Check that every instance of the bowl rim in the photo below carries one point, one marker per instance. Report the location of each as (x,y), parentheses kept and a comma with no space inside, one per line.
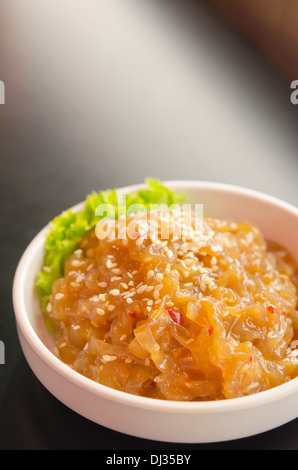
(152,404)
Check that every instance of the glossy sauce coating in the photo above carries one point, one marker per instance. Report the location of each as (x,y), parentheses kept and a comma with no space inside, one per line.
(187,318)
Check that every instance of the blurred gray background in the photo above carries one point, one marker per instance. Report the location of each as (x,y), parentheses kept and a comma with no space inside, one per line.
(102,93)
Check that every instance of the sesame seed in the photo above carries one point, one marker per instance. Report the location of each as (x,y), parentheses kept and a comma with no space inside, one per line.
(101,297)
(76,327)
(115,278)
(103,284)
(129,300)
(115,292)
(170,254)
(141,289)
(148,309)
(156,294)
(150,274)
(159,276)
(149,288)
(100,311)
(108,358)
(123,338)
(75,284)
(59,296)
(49,308)
(116,271)
(123,285)
(47,269)
(111,308)
(77,263)
(109,263)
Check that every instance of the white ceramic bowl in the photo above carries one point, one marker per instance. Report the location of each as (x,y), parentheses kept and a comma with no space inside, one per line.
(150,418)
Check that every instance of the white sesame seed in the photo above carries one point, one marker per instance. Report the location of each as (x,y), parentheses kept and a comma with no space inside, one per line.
(47,269)
(76,327)
(77,263)
(129,300)
(111,308)
(108,358)
(115,292)
(148,309)
(170,254)
(123,285)
(103,284)
(123,338)
(159,276)
(109,263)
(150,274)
(141,289)
(49,307)
(59,296)
(149,288)
(75,284)
(116,271)
(100,311)
(101,297)
(156,294)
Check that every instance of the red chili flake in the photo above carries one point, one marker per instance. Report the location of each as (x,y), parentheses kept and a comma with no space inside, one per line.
(210,331)
(283,313)
(271,309)
(250,359)
(132,314)
(176,316)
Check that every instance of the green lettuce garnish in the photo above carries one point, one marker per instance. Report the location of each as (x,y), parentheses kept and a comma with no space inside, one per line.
(69,228)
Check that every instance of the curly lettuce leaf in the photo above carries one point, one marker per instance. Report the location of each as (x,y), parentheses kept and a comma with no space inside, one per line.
(69,228)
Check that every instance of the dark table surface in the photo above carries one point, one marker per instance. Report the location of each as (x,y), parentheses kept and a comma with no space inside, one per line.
(56,146)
